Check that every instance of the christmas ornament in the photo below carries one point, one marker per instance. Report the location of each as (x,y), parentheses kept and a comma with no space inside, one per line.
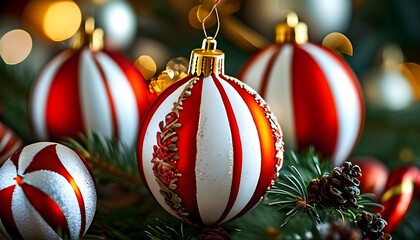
(87,89)
(374,177)
(323,16)
(9,143)
(417,186)
(398,195)
(117,18)
(176,69)
(389,87)
(209,147)
(315,95)
(47,191)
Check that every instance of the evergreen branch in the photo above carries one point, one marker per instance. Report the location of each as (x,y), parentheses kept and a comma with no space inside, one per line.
(108,158)
(170,229)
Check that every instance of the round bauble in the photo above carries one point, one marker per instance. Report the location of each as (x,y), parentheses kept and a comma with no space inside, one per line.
(209,147)
(323,16)
(314,94)
(85,90)
(417,186)
(388,89)
(118,19)
(374,175)
(394,85)
(396,199)
(47,191)
(9,142)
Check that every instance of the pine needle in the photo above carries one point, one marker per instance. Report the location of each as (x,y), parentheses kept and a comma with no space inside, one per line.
(109,159)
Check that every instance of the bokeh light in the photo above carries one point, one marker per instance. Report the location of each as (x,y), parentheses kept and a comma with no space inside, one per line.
(15,46)
(57,20)
(146,65)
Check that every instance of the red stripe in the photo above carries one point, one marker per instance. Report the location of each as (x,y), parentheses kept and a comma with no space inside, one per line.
(187,144)
(10,143)
(49,210)
(316,118)
(63,113)
(145,126)
(237,148)
(47,159)
(104,78)
(6,214)
(268,71)
(139,85)
(357,88)
(267,145)
(15,158)
(249,65)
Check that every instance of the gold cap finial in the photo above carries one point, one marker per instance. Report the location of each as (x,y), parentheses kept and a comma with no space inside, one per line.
(88,34)
(292,31)
(207,59)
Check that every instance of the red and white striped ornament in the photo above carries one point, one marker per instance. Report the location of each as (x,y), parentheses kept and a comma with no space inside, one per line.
(9,142)
(47,191)
(89,90)
(314,94)
(209,147)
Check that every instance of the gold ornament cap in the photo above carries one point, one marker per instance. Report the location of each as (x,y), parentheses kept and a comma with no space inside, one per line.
(292,31)
(207,59)
(88,35)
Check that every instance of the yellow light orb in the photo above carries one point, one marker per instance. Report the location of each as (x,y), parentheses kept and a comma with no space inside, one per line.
(57,20)
(62,20)
(15,46)
(146,65)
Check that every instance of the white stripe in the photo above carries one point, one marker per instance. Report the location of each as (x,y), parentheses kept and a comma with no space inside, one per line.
(74,165)
(28,153)
(41,92)
(346,100)
(279,95)
(6,137)
(28,221)
(251,151)
(94,101)
(7,173)
(3,232)
(59,189)
(124,99)
(12,150)
(150,140)
(253,75)
(214,160)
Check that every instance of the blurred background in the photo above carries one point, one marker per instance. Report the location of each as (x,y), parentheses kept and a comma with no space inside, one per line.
(384,33)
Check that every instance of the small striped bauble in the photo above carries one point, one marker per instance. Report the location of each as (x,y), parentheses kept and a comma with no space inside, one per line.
(47,191)
(9,142)
(314,94)
(398,195)
(209,147)
(86,90)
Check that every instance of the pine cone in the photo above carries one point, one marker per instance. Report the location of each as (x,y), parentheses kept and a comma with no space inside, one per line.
(213,233)
(338,189)
(371,226)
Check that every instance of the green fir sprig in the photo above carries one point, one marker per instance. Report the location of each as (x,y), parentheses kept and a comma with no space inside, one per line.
(111,160)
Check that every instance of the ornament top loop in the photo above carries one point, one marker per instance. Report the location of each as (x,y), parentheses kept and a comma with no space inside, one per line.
(292,31)
(88,34)
(207,59)
(203,22)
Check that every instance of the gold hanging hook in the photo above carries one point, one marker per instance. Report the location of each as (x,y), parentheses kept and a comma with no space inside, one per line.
(203,22)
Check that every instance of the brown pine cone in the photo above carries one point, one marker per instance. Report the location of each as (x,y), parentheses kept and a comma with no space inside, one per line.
(371,226)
